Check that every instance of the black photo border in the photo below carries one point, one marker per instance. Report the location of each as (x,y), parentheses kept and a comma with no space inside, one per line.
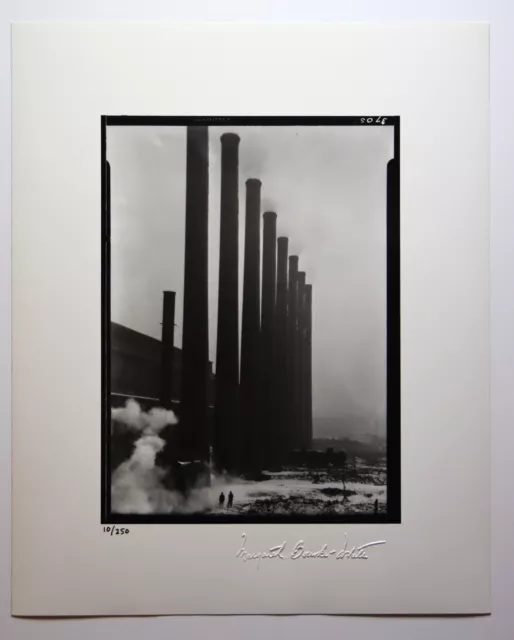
(393,394)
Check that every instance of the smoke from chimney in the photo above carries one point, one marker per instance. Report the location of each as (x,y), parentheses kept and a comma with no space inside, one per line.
(138,485)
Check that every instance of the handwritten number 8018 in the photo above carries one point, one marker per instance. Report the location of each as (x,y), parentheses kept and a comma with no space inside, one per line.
(379,120)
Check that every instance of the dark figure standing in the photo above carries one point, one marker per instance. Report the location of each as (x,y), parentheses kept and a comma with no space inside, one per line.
(230,499)
(376,506)
(222,499)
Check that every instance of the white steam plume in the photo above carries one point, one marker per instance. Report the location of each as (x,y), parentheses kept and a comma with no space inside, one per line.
(136,420)
(137,484)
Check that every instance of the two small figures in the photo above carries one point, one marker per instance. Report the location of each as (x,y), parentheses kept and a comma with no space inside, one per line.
(230,500)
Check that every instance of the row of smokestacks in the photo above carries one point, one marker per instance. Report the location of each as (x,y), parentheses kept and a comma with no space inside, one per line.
(262,399)
(263,407)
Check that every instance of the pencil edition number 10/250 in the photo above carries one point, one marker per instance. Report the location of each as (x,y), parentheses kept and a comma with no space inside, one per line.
(116,531)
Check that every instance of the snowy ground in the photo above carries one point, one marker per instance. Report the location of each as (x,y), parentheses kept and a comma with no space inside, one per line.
(140,485)
(307,492)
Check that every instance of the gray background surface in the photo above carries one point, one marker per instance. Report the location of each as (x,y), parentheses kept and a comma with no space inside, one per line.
(500,13)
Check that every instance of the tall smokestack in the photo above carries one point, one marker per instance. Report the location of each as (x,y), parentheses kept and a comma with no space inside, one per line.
(292,358)
(269,270)
(194,440)
(250,332)
(282,250)
(280,342)
(301,355)
(269,283)
(167,348)
(226,442)
(308,365)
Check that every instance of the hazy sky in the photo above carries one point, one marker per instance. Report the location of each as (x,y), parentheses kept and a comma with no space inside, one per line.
(328,187)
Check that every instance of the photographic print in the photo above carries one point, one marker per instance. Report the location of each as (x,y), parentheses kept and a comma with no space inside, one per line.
(246,275)
(251,319)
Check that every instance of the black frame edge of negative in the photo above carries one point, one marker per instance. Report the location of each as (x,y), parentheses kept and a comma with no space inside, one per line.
(393,427)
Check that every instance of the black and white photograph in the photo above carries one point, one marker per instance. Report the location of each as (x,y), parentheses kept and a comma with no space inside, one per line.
(251,324)
(251,319)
